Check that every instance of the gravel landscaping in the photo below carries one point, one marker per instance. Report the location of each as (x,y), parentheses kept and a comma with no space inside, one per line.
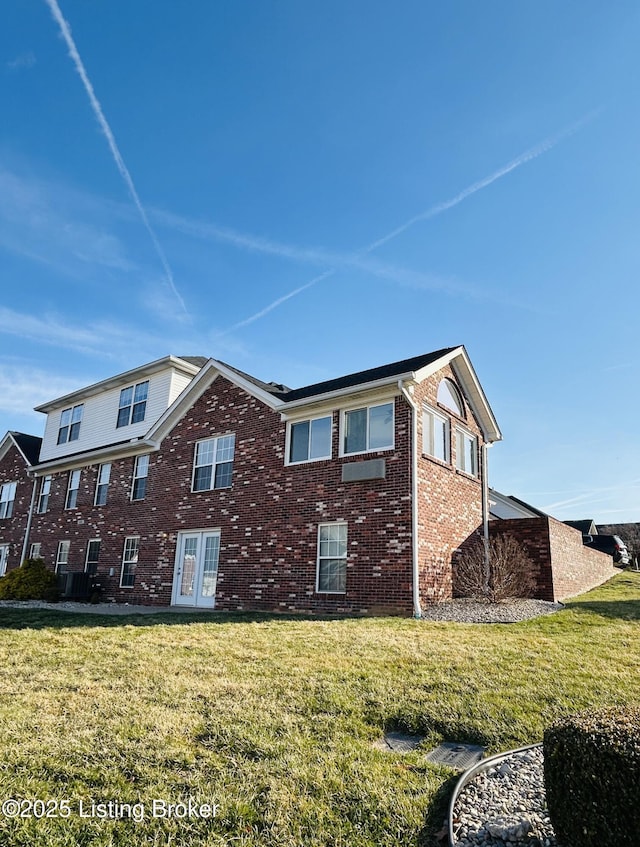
(465,610)
(505,806)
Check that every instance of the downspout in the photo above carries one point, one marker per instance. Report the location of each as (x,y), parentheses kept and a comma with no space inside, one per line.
(29,518)
(417,609)
(485,505)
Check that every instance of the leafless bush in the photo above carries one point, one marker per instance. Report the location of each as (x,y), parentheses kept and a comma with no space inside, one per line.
(503,570)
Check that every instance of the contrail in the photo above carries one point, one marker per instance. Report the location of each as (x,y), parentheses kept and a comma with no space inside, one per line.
(527,156)
(65,31)
(433,211)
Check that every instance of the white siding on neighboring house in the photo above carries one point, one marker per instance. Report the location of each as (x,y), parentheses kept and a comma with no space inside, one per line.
(100,415)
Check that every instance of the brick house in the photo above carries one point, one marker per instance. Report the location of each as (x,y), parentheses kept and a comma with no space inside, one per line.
(188,482)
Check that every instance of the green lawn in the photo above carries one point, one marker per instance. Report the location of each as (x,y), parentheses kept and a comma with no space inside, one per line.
(273,719)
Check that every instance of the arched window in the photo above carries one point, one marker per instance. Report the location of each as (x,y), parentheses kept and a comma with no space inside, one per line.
(449,396)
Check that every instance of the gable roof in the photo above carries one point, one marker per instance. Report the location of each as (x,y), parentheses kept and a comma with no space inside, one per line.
(284,399)
(519,507)
(27,445)
(189,365)
(384,372)
(586,526)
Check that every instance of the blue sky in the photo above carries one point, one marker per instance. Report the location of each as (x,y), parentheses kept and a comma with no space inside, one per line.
(308,189)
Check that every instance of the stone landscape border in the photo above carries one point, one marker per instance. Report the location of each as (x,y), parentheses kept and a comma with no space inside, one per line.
(472,772)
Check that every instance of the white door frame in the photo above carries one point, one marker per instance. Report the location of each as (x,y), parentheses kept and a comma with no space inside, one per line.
(197,587)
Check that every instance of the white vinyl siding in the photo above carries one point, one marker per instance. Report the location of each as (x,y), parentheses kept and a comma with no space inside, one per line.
(100,416)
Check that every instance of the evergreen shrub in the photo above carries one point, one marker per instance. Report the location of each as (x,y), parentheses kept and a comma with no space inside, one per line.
(31,581)
(592,777)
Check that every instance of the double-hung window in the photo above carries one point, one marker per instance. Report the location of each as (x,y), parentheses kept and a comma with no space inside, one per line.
(369,428)
(332,558)
(34,550)
(4,555)
(62,556)
(213,465)
(43,497)
(133,404)
(466,452)
(70,421)
(435,435)
(102,485)
(72,490)
(93,554)
(129,561)
(140,473)
(310,440)
(7,497)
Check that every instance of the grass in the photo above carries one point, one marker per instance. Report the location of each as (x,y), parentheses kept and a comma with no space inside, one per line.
(273,719)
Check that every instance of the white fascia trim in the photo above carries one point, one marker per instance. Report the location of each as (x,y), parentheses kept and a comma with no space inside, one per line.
(368,392)
(125,378)
(463,369)
(5,445)
(196,388)
(101,455)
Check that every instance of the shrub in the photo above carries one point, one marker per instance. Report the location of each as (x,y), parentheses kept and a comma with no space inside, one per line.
(31,581)
(592,777)
(506,572)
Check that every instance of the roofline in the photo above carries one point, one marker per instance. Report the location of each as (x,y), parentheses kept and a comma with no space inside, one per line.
(10,437)
(118,379)
(314,399)
(99,455)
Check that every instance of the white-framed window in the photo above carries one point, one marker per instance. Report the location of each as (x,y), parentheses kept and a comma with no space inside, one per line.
(309,440)
(435,435)
(45,491)
(466,452)
(70,421)
(332,558)
(92,556)
(4,555)
(62,556)
(133,404)
(140,474)
(72,490)
(368,428)
(35,550)
(213,463)
(102,484)
(449,396)
(7,498)
(129,561)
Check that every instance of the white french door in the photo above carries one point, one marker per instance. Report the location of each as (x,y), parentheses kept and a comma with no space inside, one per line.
(196,570)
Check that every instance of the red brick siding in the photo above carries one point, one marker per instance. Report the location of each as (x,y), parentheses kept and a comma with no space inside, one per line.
(564,566)
(13,469)
(268,518)
(449,502)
